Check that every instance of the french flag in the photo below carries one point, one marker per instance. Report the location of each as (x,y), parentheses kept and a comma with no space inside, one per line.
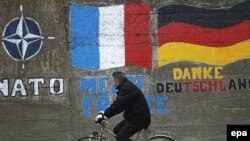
(110,37)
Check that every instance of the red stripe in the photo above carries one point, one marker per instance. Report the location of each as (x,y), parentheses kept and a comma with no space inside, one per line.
(137,35)
(181,32)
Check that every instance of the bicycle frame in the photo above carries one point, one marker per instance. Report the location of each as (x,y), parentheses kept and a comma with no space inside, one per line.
(103,128)
(101,136)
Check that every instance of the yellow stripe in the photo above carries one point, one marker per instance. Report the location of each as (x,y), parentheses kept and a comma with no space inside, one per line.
(178,51)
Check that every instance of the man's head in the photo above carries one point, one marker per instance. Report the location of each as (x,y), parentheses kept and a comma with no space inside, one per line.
(118,78)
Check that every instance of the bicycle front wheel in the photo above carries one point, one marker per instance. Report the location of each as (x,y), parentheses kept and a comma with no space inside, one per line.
(88,139)
(161,138)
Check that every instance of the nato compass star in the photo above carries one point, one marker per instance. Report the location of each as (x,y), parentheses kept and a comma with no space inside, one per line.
(22,38)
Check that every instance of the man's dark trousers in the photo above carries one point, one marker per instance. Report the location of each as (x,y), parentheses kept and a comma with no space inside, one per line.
(125,129)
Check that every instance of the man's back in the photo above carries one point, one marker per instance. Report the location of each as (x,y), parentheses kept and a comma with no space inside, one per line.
(131,100)
(137,110)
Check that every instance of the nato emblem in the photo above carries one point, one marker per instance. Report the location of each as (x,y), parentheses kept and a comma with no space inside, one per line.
(22,38)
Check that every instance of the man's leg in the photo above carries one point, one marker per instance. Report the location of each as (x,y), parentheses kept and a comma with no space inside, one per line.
(127,131)
(119,126)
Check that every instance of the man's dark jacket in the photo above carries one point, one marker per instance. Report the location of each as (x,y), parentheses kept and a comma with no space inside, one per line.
(131,100)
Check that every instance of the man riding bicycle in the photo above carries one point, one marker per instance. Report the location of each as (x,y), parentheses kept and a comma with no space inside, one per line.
(132,102)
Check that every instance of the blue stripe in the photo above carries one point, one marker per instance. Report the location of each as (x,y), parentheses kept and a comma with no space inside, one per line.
(85,37)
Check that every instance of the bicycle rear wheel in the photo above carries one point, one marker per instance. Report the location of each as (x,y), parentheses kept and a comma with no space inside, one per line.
(87,139)
(161,138)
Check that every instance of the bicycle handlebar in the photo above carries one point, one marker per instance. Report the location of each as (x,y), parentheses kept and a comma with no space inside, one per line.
(103,123)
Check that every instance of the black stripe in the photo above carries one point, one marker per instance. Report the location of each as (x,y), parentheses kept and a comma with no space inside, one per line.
(212,18)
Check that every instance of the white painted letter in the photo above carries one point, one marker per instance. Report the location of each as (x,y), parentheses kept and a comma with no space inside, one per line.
(36,82)
(4,87)
(52,84)
(19,87)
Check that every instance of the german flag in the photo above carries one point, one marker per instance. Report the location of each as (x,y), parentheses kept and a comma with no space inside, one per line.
(211,36)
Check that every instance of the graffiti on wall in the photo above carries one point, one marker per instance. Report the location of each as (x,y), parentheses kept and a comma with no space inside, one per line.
(98,42)
(110,37)
(201,79)
(56,87)
(211,36)
(98,93)
(216,37)
(22,38)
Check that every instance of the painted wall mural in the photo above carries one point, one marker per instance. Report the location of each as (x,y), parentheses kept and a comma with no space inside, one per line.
(99,92)
(18,87)
(216,37)
(118,36)
(211,36)
(22,38)
(110,37)
(201,79)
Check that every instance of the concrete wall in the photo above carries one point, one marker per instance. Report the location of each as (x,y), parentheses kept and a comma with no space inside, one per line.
(196,82)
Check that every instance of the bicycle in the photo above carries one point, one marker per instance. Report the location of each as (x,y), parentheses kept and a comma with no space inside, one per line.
(110,136)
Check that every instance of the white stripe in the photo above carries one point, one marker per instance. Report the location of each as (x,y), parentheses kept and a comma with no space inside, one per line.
(111,37)
(51,38)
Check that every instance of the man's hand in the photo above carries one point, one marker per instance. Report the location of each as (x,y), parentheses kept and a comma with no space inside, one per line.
(100,117)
